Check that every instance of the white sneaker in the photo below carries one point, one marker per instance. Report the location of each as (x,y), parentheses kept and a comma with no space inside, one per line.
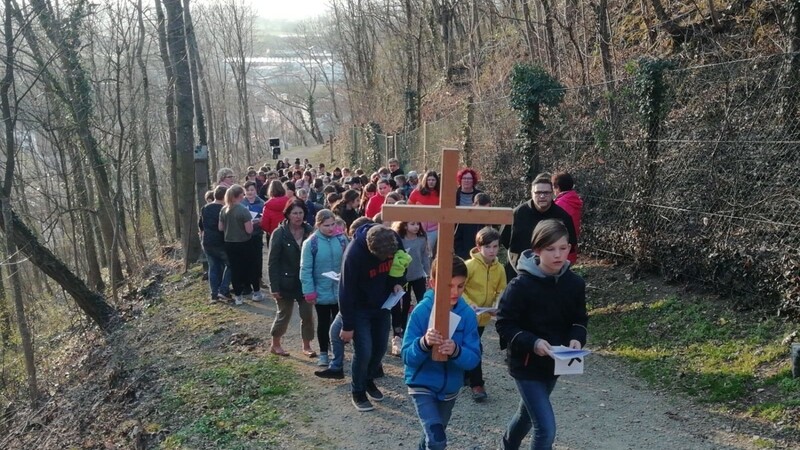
(258,296)
(397,346)
(237,300)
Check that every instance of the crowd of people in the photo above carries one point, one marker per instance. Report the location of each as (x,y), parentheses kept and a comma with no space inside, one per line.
(330,252)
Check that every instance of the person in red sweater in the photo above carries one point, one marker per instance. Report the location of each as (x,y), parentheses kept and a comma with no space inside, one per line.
(376,202)
(427,193)
(569,201)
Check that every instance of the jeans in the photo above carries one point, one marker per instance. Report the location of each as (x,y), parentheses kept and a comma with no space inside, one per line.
(534,409)
(370,337)
(325,315)
(474,377)
(433,415)
(337,344)
(219,274)
(402,309)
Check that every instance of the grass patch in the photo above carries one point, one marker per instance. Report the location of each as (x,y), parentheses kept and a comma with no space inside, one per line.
(698,346)
(228,400)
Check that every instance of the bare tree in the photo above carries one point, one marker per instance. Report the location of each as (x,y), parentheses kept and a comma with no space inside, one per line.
(184,130)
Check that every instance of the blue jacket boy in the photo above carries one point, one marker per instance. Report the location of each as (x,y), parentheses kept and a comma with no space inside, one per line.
(443,379)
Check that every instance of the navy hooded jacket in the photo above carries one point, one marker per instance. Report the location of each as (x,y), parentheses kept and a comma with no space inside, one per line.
(364,282)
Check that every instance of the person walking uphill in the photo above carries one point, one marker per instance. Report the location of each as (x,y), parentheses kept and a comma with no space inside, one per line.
(322,253)
(365,284)
(545,305)
(284,277)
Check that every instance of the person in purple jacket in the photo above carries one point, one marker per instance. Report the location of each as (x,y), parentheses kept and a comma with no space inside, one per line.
(364,285)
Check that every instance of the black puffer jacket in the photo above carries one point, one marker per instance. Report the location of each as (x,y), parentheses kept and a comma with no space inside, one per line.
(538,306)
(284,261)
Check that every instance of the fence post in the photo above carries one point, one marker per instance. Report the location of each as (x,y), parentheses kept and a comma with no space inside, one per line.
(466,132)
(355,161)
(425,145)
(330,136)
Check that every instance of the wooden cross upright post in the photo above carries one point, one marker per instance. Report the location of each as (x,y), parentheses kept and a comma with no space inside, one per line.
(447,214)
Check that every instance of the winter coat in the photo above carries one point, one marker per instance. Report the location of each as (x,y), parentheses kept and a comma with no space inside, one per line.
(570,202)
(516,237)
(364,282)
(272,215)
(485,283)
(440,378)
(284,261)
(328,258)
(538,306)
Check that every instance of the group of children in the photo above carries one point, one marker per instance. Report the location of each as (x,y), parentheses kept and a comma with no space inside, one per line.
(347,271)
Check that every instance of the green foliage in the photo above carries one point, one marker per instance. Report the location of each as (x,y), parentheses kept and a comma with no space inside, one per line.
(651,90)
(372,156)
(228,400)
(532,87)
(689,344)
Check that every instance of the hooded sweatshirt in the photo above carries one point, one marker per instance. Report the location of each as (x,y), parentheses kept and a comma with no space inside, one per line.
(570,202)
(539,306)
(422,373)
(364,282)
(485,282)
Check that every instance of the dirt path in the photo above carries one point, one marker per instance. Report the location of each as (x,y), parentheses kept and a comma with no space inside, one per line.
(606,408)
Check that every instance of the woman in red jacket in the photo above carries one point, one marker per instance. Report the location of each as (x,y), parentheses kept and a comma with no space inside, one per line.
(376,202)
(272,215)
(427,193)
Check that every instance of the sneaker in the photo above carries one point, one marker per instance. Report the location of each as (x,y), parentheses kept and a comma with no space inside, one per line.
(323,360)
(258,296)
(331,374)
(224,297)
(361,402)
(373,391)
(397,345)
(479,394)
(213,300)
(238,300)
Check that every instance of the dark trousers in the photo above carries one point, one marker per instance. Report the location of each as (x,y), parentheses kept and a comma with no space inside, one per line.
(475,376)
(245,272)
(325,316)
(401,310)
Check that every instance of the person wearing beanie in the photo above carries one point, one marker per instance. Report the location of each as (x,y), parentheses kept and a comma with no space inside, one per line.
(365,284)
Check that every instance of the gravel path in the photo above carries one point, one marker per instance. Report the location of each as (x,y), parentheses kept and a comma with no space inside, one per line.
(605,408)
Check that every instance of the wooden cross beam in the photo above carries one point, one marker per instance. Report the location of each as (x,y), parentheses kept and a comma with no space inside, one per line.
(447,214)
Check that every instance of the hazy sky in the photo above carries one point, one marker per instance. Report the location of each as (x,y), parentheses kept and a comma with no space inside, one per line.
(290,9)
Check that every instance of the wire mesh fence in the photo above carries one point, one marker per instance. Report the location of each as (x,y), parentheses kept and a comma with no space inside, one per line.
(714,197)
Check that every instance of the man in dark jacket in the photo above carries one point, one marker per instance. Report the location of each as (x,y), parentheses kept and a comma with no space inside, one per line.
(517,237)
(364,286)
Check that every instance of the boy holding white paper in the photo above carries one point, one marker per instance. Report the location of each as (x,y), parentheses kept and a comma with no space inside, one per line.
(434,385)
(485,282)
(542,307)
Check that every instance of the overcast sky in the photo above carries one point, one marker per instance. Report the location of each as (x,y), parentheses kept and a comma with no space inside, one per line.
(290,9)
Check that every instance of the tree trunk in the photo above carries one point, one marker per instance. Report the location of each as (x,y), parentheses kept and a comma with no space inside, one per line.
(76,94)
(791,77)
(170,107)
(184,130)
(147,146)
(551,37)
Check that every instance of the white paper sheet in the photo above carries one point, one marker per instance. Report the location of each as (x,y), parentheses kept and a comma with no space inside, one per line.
(254,214)
(568,361)
(481,310)
(394,297)
(454,319)
(332,275)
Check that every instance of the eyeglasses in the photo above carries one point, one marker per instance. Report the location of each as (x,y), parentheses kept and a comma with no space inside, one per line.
(231,176)
(542,193)
(466,178)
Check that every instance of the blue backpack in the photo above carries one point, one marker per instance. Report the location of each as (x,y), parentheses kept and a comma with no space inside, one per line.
(315,244)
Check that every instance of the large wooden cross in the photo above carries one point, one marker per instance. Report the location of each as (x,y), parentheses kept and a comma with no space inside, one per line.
(447,214)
